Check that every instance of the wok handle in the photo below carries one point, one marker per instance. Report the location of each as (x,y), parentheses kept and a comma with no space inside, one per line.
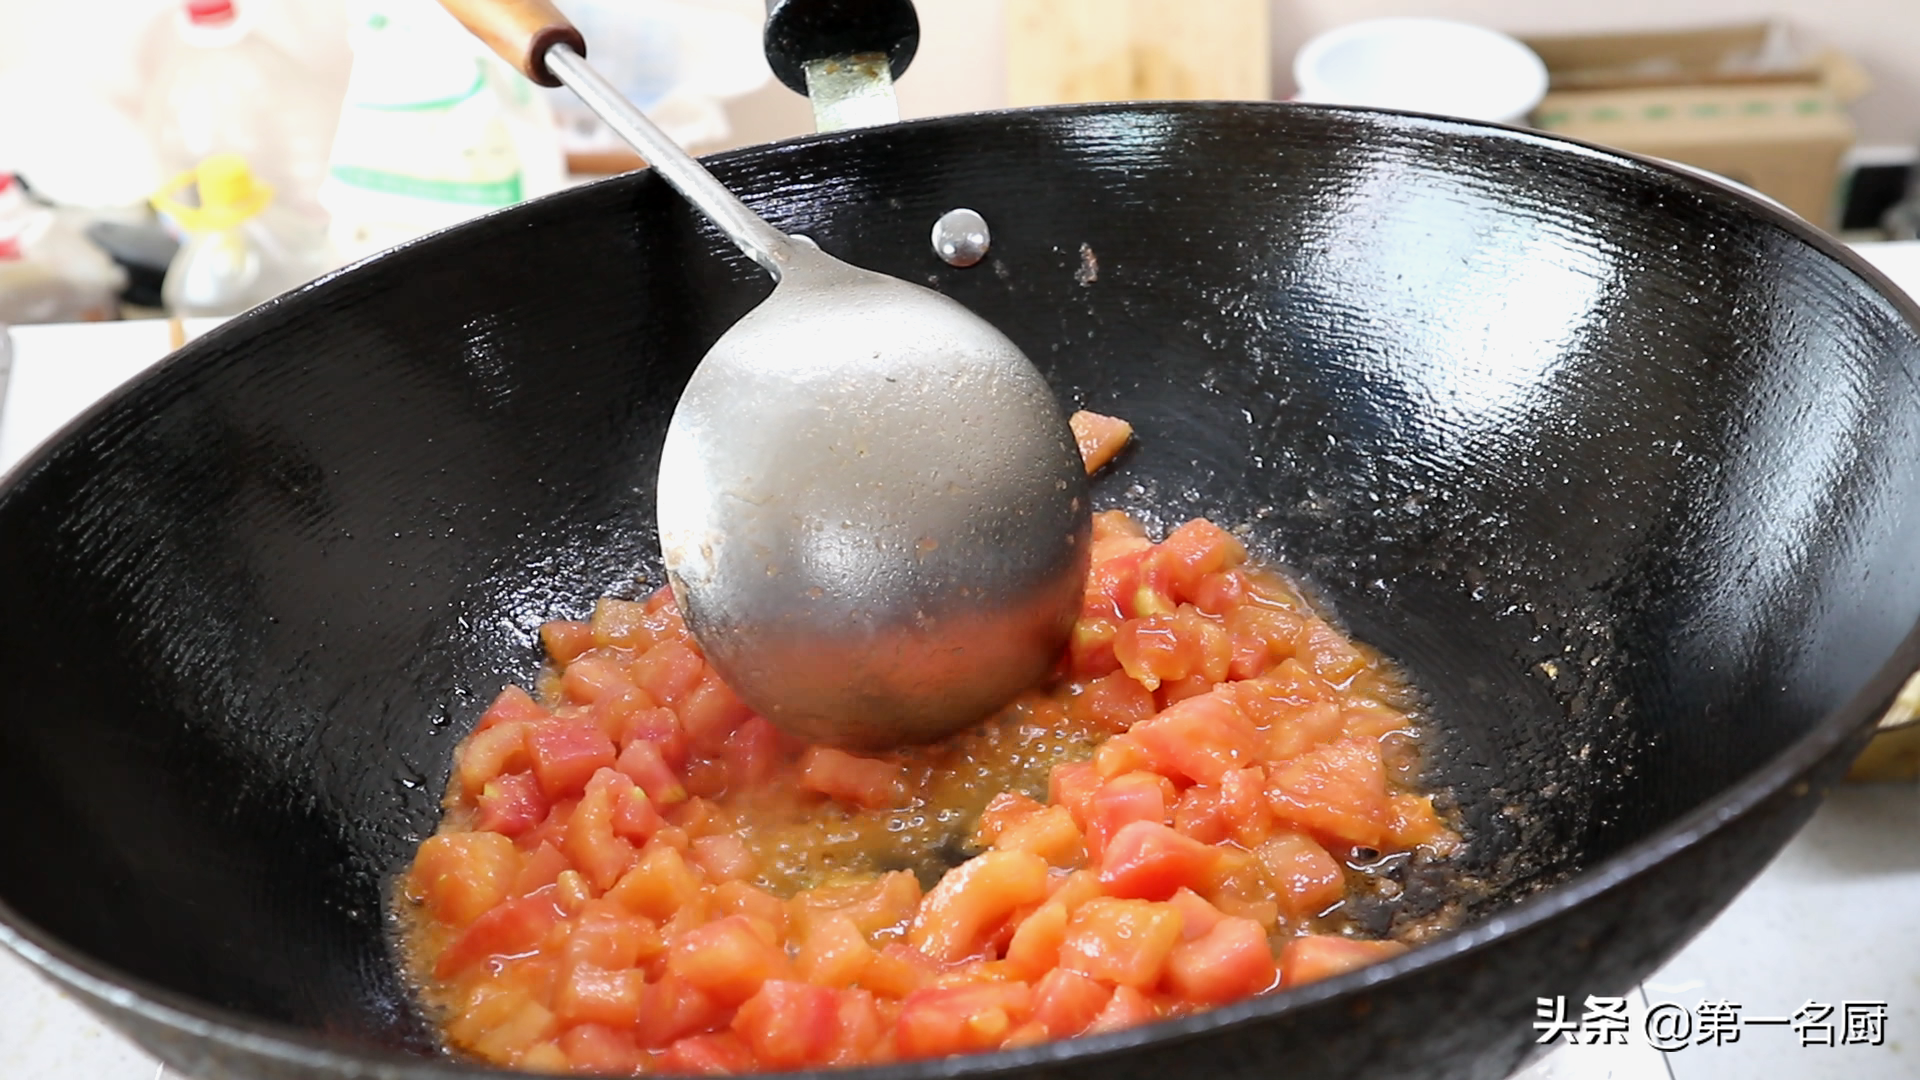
(803,30)
(519,32)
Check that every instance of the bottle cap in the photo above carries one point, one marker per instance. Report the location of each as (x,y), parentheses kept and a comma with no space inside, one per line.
(229,195)
(209,12)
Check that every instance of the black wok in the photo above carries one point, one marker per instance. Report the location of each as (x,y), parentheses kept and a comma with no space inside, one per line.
(1621,466)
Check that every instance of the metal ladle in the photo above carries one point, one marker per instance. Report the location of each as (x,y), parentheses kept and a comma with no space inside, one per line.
(871,508)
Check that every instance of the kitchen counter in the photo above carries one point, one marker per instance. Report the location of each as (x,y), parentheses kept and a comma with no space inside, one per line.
(1834,920)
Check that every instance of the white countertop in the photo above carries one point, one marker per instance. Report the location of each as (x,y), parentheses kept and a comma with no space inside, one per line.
(1834,919)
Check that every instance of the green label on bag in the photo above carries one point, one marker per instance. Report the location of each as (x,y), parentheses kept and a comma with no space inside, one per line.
(471,193)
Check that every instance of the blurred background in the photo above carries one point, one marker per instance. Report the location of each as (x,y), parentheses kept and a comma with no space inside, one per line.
(194,157)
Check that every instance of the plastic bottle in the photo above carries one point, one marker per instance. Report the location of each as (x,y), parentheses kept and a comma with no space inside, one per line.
(237,254)
(219,88)
(434,130)
(49,272)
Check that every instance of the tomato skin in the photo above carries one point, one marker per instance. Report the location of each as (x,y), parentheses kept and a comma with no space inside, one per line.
(566,754)
(1321,956)
(789,1024)
(1229,962)
(1145,860)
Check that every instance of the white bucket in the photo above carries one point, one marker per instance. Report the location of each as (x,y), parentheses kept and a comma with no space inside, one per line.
(1422,65)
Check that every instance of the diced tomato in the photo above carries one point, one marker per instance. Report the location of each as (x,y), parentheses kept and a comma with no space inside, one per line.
(1066,1002)
(566,754)
(595,676)
(1151,651)
(1090,648)
(1050,834)
(862,781)
(460,875)
(511,804)
(1304,878)
(898,970)
(659,885)
(671,1009)
(598,852)
(1328,652)
(597,1048)
(511,928)
(1005,810)
(1127,1008)
(1121,754)
(541,868)
(724,857)
(1197,549)
(622,624)
(1099,437)
(1073,786)
(1249,656)
(511,704)
(860,1028)
(634,817)
(726,959)
(1034,948)
(669,671)
(618,715)
(712,712)
(1197,916)
(1339,790)
(659,726)
(1219,592)
(592,995)
(607,936)
(1112,583)
(1134,796)
(1145,860)
(720,1053)
(1202,813)
(1413,823)
(834,953)
(642,763)
(1201,738)
(1125,942)
(494,751)
(1243,799)
(751,753)
(1229,962)
(1320,956)
(1112,702)
(960,912)
(960,1019)
(788,1024)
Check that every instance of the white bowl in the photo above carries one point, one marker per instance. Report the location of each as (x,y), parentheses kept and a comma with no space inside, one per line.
(1422,65)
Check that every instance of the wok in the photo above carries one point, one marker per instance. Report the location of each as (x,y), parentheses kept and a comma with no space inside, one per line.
(1620,465)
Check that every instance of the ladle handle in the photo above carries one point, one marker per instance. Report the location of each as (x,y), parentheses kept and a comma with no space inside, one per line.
(519,32)
(516,31)
(801,30)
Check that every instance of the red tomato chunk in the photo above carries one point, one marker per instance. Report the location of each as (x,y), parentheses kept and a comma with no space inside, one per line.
(637,875)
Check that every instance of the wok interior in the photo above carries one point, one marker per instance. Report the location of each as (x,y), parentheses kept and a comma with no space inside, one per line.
(1619,471)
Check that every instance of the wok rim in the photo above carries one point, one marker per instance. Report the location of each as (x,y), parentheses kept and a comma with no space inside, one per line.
(71,968)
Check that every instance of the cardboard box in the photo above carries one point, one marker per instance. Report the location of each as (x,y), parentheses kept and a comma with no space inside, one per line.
(1743,101)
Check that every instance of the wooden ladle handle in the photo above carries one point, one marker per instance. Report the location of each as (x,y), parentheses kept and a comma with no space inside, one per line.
(519,32)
